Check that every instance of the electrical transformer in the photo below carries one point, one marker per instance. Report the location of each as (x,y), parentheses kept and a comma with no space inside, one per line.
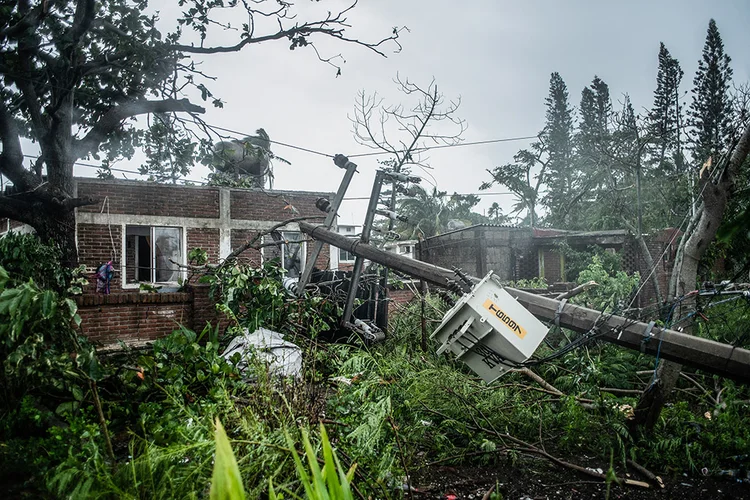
(489,330)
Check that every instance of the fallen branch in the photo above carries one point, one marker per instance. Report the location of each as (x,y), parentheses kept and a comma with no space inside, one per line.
(577,290)
(647,473)
(614,390)
(550,389)
(528,448)
(249,244)
(700,387)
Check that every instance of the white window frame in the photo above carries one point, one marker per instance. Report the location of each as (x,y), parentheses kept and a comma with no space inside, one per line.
(346,261)
(183,255)
(282,249)
(303,249)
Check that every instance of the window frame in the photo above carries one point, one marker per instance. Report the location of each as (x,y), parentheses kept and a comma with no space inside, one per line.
(347,261)
(181,273)
(282,249)
(303,249)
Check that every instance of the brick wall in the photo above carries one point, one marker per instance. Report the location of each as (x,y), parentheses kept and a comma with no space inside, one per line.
(146,198)
(240,237)
(204,310)
(277,206)
(95,247)
(397,298)
(133,317)
(136,317)
(205,238)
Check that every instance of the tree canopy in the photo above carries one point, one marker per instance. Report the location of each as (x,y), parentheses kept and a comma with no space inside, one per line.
(75,75)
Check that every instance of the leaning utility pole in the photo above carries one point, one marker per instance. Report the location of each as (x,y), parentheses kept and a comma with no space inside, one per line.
(722,359)
(364,238)
(341,161)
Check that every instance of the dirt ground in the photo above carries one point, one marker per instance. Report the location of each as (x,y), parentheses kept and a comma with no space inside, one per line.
(534,479)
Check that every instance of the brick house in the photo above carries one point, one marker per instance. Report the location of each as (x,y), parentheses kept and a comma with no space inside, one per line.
(515,253)
(144,227)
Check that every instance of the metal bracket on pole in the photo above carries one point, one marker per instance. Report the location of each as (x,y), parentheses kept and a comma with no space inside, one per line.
(341,161)
(647,336)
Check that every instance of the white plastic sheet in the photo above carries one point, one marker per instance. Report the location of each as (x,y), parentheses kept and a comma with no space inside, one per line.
(283,358)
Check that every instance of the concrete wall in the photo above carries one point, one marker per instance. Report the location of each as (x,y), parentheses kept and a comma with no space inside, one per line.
(480,249)
(520,253)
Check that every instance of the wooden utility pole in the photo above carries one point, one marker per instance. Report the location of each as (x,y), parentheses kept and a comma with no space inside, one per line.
(722,359)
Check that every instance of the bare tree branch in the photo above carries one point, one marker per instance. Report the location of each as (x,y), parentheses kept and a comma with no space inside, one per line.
(249,244)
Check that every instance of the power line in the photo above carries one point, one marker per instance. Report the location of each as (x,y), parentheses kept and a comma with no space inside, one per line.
(292,146)
(497,193)
(378,153)
(457,145)
(114,169)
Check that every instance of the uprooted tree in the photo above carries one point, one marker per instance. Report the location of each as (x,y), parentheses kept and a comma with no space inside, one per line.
(75,75)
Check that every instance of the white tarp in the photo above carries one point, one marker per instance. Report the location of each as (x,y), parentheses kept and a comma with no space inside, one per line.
(282,358)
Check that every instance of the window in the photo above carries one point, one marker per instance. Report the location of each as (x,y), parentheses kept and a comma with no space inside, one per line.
(293,254)
(346,256)
(150,253)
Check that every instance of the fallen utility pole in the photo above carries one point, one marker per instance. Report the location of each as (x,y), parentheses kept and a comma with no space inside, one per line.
(722,359)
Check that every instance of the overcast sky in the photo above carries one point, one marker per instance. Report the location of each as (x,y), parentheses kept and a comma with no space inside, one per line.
(496,56)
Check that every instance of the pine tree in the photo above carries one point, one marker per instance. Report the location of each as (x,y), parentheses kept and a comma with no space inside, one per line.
(665,115)
(711,110)
(596,112)
(558,139)
(592,142)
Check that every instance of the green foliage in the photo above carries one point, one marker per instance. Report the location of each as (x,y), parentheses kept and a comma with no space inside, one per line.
(255,297)
(578,260)
(328,483)
(226,482)
(38,342)
(614,287)
(25,257)
(535,282)
(710,112)
(396,407)
(429,213)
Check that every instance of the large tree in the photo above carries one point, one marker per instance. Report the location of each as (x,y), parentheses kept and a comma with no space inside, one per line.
(665,116)
(711,110)
(558,134)
(721,154)
(524,178)
(76,74)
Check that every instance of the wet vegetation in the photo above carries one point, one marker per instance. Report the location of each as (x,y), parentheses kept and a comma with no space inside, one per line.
(382,421)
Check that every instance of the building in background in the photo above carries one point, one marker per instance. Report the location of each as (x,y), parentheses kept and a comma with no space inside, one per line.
(346,259)
(522,253)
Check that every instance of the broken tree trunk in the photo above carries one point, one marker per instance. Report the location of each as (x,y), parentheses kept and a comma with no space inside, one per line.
(715,191)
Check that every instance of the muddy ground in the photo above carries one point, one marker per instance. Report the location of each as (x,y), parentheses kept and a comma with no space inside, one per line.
(535,479)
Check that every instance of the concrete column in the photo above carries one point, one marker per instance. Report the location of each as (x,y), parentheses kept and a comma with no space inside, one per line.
(225,223)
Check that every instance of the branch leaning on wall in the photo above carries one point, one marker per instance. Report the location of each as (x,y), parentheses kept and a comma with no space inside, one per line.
(254,243)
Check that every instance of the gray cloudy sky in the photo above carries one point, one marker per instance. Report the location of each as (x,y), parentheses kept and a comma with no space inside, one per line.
(496,55)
